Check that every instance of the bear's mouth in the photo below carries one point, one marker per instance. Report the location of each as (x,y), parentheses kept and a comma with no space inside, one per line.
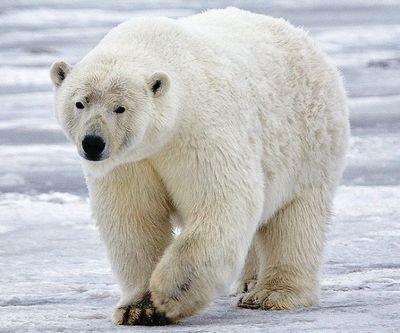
(93,158)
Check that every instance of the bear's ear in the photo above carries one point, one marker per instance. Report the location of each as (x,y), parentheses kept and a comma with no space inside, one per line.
(158,83)
(59,71)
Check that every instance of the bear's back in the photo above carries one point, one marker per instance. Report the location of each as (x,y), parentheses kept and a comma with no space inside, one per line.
(224,31)
(240,27)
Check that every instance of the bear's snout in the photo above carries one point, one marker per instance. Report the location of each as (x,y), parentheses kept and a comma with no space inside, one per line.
(93,146)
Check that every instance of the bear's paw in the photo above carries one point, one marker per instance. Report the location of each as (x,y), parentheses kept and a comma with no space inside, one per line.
(277,298)
(141,313)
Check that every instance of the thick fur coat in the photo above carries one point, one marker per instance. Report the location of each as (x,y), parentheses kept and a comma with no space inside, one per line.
(234,126)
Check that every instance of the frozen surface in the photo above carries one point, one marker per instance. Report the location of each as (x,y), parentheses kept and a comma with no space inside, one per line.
(54,276)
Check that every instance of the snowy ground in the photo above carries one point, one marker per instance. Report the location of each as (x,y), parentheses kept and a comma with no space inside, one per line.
(53,273)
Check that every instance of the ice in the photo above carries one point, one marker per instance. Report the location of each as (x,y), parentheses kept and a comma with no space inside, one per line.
(54,274)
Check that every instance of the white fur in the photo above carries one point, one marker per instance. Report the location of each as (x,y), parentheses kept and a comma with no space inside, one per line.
(244,143)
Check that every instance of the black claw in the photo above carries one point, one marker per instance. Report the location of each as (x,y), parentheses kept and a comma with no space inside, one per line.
(148,314)
(248,305)
(126,315)
(152,318)
(160,318)
(143,319)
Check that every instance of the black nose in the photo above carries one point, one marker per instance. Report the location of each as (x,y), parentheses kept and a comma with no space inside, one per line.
(93,146)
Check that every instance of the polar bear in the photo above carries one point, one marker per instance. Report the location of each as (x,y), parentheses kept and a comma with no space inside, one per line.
(232,125)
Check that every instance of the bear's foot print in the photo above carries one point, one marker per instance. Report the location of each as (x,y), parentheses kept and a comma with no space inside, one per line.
(142,313)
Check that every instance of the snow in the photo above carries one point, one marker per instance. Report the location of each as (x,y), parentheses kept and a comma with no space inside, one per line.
(54,275)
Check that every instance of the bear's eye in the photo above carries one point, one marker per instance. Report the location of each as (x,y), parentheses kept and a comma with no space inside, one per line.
(119,109)
(79,105)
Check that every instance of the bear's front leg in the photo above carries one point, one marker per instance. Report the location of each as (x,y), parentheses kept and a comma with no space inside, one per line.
(220,204)
(132,211)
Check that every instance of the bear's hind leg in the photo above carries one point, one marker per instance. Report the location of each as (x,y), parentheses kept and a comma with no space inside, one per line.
(290,248)
(248,276)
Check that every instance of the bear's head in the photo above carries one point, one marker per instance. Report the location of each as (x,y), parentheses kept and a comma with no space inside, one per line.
(113,115)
